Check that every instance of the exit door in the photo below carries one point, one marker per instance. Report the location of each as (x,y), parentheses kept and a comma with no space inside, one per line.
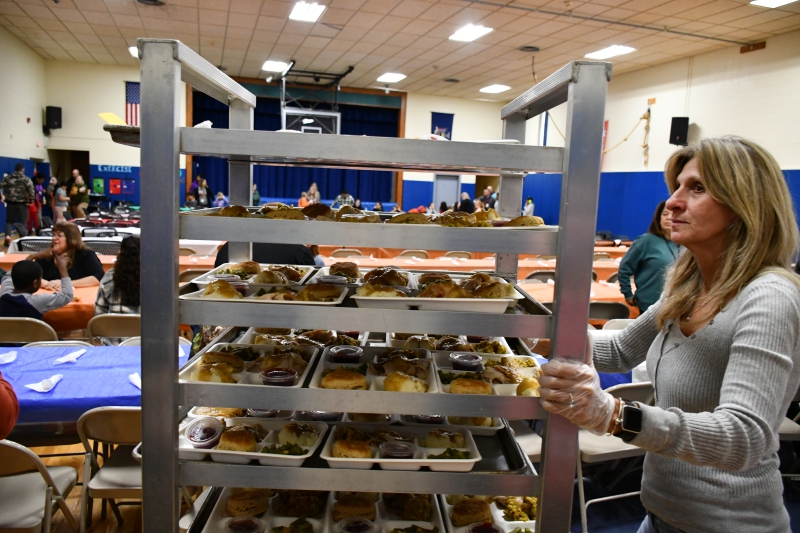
(445,189)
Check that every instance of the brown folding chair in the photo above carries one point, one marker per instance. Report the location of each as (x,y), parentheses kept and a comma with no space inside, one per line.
(346,252)
(419,254)
(24,330)
(114,325)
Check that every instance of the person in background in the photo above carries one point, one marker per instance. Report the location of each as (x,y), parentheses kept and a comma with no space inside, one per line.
(18,296)
(432,208)
(9,408)
(486,199)
(528,209)
(647,260)
(357,204)
(492,193)
(221,201)
(722,347)
(191,201)
(17,194)
(256,196)
(443,207)
(119,290)
(396,209)
(60,204)
(478,203)
(313,194)
(319,259)
(342,199)
(50,197)
(378,207)
(196,185)
(203,194)
(79,196)
(272,253)
(35,210)
(466,205)
(303,200)
(83,267)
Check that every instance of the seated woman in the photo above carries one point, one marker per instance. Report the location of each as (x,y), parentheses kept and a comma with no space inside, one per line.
(119,288)
(84,267)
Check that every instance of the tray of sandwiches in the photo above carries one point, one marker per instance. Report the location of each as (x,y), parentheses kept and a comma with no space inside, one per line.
(303,337)
(245,364)
(254,273)
(244,440)
(475,373)
(377,369)
(441,449)
(348,272)
(449,343)
(438,291)
(311,294)
(489,514)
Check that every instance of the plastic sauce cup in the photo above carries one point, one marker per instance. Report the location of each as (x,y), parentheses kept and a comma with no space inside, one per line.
(204,433)
(345,354)
(244,524)
(280,377)
(397,450)
(465,361)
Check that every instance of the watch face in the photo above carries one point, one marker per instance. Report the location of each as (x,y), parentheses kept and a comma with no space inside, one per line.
(631,419)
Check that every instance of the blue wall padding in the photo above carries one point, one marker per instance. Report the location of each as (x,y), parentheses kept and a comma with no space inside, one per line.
(468,188)
(417,193)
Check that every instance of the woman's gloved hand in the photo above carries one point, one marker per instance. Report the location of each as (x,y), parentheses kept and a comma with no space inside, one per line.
(572,390)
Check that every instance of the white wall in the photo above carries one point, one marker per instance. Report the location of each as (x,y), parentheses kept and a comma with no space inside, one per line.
(754,95)
(83,91)
(22,97)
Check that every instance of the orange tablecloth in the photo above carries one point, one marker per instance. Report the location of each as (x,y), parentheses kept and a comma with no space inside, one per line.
(601,292)
(7,261)
(75,315)
(613,251)
(526,266)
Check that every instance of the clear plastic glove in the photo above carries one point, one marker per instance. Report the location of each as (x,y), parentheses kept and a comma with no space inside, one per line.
(572,390)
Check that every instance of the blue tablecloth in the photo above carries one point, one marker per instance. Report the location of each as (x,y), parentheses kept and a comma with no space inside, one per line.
(98,378)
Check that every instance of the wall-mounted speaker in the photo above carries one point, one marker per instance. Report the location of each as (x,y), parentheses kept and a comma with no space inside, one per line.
(679,132)
(52,119)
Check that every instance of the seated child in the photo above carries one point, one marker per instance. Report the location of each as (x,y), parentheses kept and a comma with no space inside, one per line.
(17,295)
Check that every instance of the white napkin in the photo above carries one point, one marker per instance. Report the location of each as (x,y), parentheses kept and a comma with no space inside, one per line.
(356,261)
(591,294)
(45,385)
(181,353)
(551,282)
(136,380)
(8,357)
(204,124)
(70,357)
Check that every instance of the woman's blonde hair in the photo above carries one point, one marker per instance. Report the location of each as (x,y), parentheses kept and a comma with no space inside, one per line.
(745,177)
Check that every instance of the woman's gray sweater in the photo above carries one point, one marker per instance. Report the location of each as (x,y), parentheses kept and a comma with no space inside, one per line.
(720,396)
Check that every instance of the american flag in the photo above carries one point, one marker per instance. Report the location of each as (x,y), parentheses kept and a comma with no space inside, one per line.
(132,103)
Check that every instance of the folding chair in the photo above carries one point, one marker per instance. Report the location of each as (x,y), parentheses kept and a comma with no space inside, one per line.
(190,273)
(462,255)
(617,323)
(601,448)
(56,344)
(542,275)
(107,247)
(613,278)
(137,341)
(25,330)
(23,232)
(528,440)
(599,256)
(30,491)
(608,310)
(99,232)
(346,252)
(119,430)
(594,275)
(114,325)
(185,250)
(419,254)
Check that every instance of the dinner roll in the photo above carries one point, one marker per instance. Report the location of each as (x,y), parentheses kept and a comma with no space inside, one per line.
(271,277)
(347,269)
(248,502)
(234,361)
(221,289)
(234,211)
(379,290)
(528,387)
(318,210)
(525,221)
(352,505)
(239,441)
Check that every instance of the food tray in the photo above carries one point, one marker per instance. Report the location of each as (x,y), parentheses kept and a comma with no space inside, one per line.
(442,358)
(497,425)
(249,336)
(281,415)
(219,515)
(467,305)
(375,382)
(309,354)
(187,452)
(420,457)
(498,389)
(253,289)
(390,419)
(399,343)
(324,271)
(497,517)
(205,279)
(371,353)
(385,521)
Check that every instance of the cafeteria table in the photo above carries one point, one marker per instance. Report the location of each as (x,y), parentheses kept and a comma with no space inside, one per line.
(603,268)
(98,378)
(614,251)
(602,291)
(74,315)
(185,261)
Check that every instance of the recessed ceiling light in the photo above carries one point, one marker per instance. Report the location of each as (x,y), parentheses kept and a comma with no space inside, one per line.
(469,33)
(611,51)
(306,12)
(771,3)
(134,51)
(391,77)
(494,89)
(274,66)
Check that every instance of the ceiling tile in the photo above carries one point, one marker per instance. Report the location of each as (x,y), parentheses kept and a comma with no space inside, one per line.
(98,17)
(69,15)
(211,16)
(182,13)
(249,7)
(124,7)
(37,12)
(52,25)
(10,8)
(128,21)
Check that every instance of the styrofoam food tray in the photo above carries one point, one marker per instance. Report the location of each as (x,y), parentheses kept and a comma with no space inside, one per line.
(442,358)
(420,457)
(375,383)
(281,415)
(497,517)
(399,343)
(205,279)
(246,377)
(253,289)
(462,338)
(219,515)
(372,353)
(324,271)
(249,336)
(385,521)
(467,305)
(498,389)
(497,425)
(188,452)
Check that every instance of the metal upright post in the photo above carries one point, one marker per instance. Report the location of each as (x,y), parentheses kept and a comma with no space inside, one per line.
(510,192)
(240,176)
(580,185)
(160,148)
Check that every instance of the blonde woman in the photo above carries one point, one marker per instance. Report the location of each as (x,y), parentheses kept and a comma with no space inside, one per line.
(722,347)
(313,194)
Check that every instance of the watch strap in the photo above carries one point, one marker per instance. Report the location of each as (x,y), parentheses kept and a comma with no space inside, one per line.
(627,434)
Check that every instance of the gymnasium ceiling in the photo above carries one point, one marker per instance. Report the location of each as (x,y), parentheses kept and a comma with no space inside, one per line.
(405,36)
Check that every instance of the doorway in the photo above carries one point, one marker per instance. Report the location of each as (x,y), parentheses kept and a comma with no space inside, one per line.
(445,189)
(62,162)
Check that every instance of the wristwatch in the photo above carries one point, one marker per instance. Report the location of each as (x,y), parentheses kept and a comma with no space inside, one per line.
(630,420)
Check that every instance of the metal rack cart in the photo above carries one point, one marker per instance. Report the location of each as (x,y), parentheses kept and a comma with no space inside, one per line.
(164,63)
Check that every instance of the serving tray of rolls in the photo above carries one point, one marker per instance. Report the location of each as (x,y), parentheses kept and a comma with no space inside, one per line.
(438,291)
(377,369)
(450,343)
(278,366)
(243,440)
(318,337)
(359,447)
(348,272)
(257,274)
(507,514)
(311,294)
